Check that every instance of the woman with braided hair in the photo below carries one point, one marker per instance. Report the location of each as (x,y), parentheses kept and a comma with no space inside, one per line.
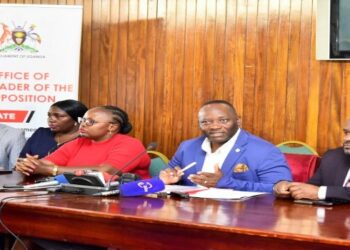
(102,145)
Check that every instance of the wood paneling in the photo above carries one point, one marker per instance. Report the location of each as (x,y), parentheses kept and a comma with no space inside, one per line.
(161,59)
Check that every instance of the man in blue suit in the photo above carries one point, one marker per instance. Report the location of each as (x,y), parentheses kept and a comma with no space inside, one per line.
(226,156)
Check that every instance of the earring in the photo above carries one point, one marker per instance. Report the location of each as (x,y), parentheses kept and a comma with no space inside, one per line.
(75,124)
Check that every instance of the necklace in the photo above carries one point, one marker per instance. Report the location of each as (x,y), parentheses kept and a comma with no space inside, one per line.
(57,139)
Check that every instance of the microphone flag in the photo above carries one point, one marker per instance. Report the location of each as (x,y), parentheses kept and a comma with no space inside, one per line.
(142,187)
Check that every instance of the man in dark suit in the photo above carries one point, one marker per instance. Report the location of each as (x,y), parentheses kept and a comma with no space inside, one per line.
(331,180)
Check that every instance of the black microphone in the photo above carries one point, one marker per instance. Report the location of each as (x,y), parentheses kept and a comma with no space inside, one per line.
(150,146)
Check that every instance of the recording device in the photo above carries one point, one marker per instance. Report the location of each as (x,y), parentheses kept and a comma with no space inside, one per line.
(86,179)
(89,190)
(134,188)
(88,184)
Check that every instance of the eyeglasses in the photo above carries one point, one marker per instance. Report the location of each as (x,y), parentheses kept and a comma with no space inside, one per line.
(207,123)
(89,122)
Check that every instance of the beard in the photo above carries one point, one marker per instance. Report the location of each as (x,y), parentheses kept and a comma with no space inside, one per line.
(346,148)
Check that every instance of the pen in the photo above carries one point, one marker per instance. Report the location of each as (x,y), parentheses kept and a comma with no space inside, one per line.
(188,166)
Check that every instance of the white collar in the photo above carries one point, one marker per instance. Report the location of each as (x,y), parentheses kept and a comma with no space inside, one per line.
(206,146)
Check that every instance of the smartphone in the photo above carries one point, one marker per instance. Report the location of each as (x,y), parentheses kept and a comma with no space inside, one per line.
(314,202)
(323,203)
(179,195)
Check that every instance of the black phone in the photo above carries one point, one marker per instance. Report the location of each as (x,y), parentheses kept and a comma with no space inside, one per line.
(323,203)
(314,202)
(181,195)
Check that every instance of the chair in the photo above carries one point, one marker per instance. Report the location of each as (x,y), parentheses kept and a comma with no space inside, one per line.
(158,162)
(296,147)
(302,159)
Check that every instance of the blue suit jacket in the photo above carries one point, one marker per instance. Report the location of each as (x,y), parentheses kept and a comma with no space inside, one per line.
(266,164)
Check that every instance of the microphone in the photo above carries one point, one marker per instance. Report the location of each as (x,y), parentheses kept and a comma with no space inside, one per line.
(150,146)
(142,187)
(58,179)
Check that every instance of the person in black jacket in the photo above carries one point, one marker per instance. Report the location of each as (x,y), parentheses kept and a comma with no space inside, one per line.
(331,180)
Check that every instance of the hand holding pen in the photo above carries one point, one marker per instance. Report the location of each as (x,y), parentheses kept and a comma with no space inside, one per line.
(173,175)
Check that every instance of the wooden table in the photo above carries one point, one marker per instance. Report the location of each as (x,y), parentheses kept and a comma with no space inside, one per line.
(164,223)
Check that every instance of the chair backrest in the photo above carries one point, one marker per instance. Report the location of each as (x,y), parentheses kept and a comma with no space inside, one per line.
(159,162)
(302,159)
(302,166)
(296,147)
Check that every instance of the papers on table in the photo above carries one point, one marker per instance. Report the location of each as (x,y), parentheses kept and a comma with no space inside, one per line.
(184,189)
(222,193)
(211,193)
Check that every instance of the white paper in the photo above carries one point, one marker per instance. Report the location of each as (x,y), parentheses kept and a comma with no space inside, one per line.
(180,188)
(222,193)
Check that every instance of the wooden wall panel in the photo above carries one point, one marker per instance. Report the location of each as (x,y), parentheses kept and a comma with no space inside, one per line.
(245,61)
(161,59)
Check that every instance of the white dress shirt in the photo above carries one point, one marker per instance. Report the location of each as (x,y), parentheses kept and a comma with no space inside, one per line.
(218,157)
(322,191)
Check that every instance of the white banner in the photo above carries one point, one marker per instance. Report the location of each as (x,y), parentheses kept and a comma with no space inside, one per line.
(39,61)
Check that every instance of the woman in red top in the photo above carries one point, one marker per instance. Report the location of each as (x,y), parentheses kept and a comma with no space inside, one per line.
(102,146)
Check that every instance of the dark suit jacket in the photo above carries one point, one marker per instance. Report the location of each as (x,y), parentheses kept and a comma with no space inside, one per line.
(332,172)
(40,143)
